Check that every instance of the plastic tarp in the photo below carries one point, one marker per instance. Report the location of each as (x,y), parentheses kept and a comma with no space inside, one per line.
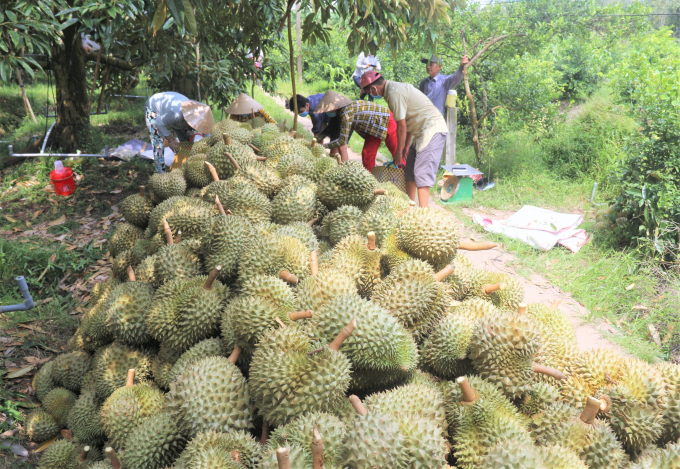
(136,147)
(539,228)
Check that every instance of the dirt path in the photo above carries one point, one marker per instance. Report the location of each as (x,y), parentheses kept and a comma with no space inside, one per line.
(590,335)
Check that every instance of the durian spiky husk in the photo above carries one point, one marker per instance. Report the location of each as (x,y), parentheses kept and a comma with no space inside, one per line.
(426,234)
(40,426)
(84,421)
(154,443)
(223,443)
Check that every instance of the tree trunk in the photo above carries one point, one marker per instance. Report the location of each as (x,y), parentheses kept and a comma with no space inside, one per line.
(105,81)
(73,118)
(291,53)
(474,124)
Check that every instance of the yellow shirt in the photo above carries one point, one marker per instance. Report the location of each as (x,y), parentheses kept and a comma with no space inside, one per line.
(423,119)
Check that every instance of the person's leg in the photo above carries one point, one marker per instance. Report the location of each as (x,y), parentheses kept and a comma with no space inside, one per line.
(391,139)
(426,166)
(156,141)
(357,81)
(371,145)
(409,175)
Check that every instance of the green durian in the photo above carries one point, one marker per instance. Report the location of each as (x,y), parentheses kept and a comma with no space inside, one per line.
(391,256)
(202,349)
(223,243)
(320,167)
(196,171)
(40,426)
(445,351)
(242,154)
(70,368)
(83,419)
(154,443)
(58,403)
(167,185)
(353,256)
(127,307)
(158,213)
(316,290)
(295,203)
(374,440)
(176,261)
(136,209)
(123,238)
(263,177)
(302,231)
(121,262)
(112,363)
(161,366)
(341,222)
(300,458)
(670,373)
(192,219)
(659,458)
(349,183)
(427,235)
(511,293)
(62,454)
(235,445)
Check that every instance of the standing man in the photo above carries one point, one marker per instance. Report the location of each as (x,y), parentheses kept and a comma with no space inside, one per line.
(169,112)
(363,65)
(372,121)
(307,107)
(418,122)
(437,86)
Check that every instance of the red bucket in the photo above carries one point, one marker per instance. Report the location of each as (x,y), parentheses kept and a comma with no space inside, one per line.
(63,181)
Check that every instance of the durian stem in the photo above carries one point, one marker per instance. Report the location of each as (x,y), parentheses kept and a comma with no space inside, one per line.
(313,263)
(229,212)
(472,246)
(179,237)
(141,191)
(68,434)
(292,134)
(312,221)
(220,207)
(113,457)
(265,433)
(468,396)
(489,289)
(317,449)
(226,139)
(131,274)
(283,458)
(130,377)
(344,334)
(315,351)
(213,172)
(300,315)
(234,354)
(445,272)
(168,232)
(605,403)
(288,277)
(546,370)
(379,191)
(555,303)
(235,455)
(522,308)
(358,405)
(280,322)
(371,241)
(233,161)
(313,144)
(83,456)
(590,411)
(338,158)
(254,147)
(261,158)
(211,278)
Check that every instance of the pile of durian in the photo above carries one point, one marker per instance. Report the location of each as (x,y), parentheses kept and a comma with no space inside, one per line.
(271,307)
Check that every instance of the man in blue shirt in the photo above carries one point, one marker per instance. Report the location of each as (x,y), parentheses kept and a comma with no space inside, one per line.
(306,106)
(437,86)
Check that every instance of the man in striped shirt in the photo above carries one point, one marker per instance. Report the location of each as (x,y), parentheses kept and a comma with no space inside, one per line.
(371,121)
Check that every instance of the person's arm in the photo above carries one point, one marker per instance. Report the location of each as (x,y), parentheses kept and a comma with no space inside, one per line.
(345,128)
(451,81)
(377,65)
(316,123)
(402,135)
(343,153)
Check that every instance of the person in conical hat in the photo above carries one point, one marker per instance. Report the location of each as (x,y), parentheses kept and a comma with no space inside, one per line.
(244,108)
(169,112)
(371,121)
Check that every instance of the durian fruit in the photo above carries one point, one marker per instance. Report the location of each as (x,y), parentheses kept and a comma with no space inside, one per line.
(341,222)
(156,218)
(264,178)
(161,366)
(153,444)
(83,419)
(205,348)
(96,329)
(58,403)
(136,208)
(348,183)
(196,172)
(378,344)
(502,351)
(299,432)
(141,250)
(127,307)
(537,399)
(380,219)
(391,255)
(223,243)
(659,458)
(146,271)
(112,363)
(359,258)
(167,185)
(509,293)
(240,134)
(410,293)
(480,423)
(295,164)
(292,456)
(302,231)
(287,381)
(62,454)
(257,122)
(295,203)
(551,421)
(270,254)
(101,290)
(427,235)
(241,197)
(123,238)
(235,446)
(176,261)
(460,278)
(211,395)
(670,373)
(125,409)
(316,290)
(321,166)
(121,263)
(200,147)
(445,351)
(70,368)
(40,426)
(590,371)
(228,159)
(219,129)
(191,219)
(518,455)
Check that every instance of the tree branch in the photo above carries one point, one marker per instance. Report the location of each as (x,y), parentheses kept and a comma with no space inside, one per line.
(114,62)
(486,114)
(491,42)
(285,16)
(485,100)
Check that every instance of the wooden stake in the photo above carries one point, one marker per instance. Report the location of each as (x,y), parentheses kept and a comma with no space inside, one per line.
(371,241)
(314,263)
(234,354)
(555,304)
(233,161)
(131,274)
(130,377)
(213,172)
(489,289)
(254,147)
(113,457)
(590,411)
(220,207)
(379,192)
(83,456)
(343,335)
(288,277)
(283,458)
(265,433)
(468,396)
(472,246)
(226,139)
(300,315)
(358,405)
(27,103)
(168,232)
(211,278)
(546,370)
(317,449)
(522,308)
(141,191)
(445,272)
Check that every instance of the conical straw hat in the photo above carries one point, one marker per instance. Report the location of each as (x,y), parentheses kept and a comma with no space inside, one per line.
(198,116)
(243,104)
(331,101)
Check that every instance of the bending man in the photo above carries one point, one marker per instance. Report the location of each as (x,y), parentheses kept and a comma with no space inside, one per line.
(307,107)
